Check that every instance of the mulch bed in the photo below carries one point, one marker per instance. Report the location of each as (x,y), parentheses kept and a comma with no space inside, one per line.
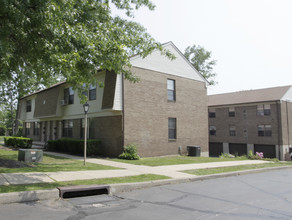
(5,163)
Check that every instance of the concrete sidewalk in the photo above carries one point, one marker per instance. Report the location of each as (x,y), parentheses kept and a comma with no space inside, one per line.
(172,171)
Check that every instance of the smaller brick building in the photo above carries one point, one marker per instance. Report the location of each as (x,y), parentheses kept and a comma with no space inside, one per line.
(258,120)
(163,113)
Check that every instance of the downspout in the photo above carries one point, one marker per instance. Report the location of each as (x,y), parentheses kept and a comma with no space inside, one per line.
(287,116)
(280,138)
(123,112)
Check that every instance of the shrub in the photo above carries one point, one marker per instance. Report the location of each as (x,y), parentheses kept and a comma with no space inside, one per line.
(257,156)
(130,152)
(75,146)
(19,142)
(226,155)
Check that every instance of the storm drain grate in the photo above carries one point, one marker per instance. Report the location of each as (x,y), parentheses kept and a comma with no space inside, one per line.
(81,191)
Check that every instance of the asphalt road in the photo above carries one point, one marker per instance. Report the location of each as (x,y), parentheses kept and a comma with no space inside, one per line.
(265,195)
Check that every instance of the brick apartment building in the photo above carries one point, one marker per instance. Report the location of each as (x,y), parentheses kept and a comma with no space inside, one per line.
(258,120)
(165,111)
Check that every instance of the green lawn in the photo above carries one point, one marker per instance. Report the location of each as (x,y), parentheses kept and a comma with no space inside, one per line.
(42,186)
(173,160)
(211,171)
(50,164)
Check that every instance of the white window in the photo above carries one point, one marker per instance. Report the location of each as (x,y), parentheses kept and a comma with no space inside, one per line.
(170,90)
(172,128)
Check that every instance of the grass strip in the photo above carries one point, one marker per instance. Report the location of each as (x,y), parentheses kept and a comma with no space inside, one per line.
(42,186)
(174,160)
(50,163)
(210,171)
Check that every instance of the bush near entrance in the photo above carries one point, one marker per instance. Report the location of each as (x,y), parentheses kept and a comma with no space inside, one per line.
(129,153)
(75,146)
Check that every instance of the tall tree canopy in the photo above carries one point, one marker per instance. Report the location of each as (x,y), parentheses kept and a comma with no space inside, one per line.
(70,38)
(43,40)
(201,60)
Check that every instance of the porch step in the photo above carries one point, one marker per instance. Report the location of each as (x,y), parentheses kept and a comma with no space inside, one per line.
(38,145)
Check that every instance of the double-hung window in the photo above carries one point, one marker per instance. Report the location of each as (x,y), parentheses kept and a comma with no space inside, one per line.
(28,106)
(212,113)
(231,112)
(68,128)
(36,128)
(92,92)
(232,130)
(27,128)
(69,95)
(264,109)
(212,130)
(171,128)
(171,90)
(265,130)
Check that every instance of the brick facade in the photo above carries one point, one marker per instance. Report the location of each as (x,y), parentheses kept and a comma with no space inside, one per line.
(146,113)
(246,121)
(123,112)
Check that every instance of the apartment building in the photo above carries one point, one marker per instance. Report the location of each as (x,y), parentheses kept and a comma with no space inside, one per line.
(256,120)
(164,113)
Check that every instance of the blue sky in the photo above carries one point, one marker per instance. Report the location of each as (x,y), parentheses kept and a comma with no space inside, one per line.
(250,39)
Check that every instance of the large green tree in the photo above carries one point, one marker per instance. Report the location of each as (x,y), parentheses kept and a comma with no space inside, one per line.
(43,40)
(71,38)
(201,60)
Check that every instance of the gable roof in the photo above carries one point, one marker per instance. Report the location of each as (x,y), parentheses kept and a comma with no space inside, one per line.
(249,96)
(160,63)
(42,90)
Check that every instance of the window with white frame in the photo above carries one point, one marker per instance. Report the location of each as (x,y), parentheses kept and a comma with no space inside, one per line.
(27,128)
(68,128)
(171,128)
(171,90)
(92,92)
(36,128)
(231,112)
(264,109)
(69,95)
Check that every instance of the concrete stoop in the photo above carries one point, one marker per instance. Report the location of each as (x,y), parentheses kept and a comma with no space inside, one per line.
(38,145)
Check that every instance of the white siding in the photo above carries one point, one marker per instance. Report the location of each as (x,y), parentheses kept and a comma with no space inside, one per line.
(158,62)
(118,101)
(288,95)
(76,109)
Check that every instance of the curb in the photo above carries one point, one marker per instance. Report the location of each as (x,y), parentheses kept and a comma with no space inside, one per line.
(29,196)
(127,187)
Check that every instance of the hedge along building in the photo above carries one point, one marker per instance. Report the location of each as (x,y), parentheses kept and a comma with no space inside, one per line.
(164,113)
